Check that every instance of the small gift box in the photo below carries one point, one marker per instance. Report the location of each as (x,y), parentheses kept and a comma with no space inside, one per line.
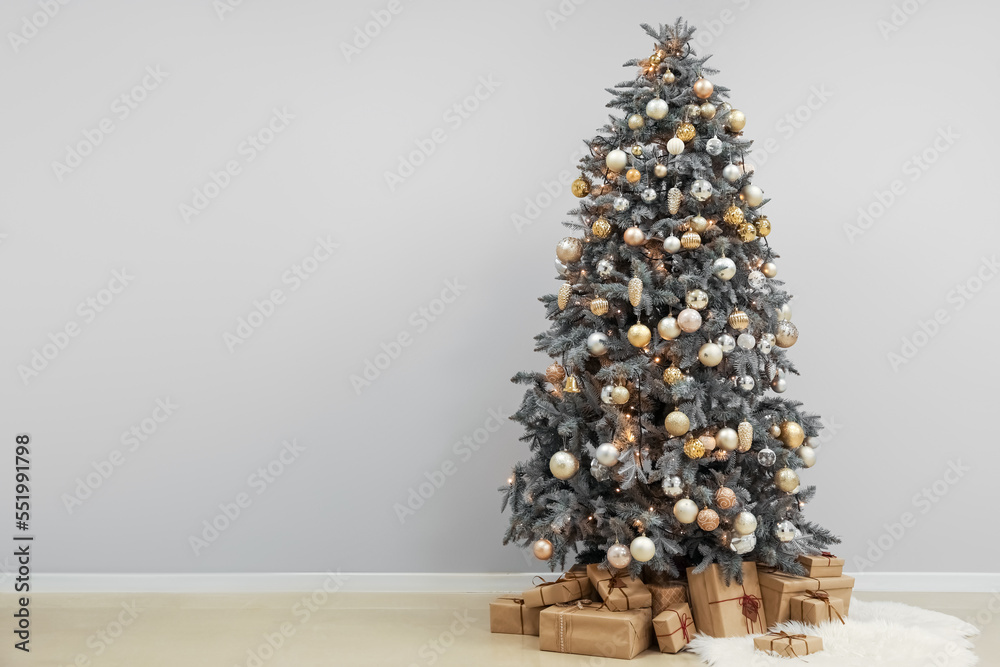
(722,610)
(788,646)
(817,607)
(778,589)
(587,628)
(621,593)
(823,565)
(509,616)
(561,590)
(674,628)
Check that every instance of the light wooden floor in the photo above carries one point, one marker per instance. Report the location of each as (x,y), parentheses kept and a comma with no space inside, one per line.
(351,629)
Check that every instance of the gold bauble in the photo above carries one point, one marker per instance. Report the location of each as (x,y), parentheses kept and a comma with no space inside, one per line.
(725,498)
(787,334)
(639,335)
(677,423)
(792,434)
(555,373)
(565,292)
(703,88)
(601,228)
(736,120)
(655,59)
(672,375)
(694,449)
(634,236)
(674,199)
(569,250)
(774,430)
(745,434)
(698,224)
(599,306)
(786,480)
(669,77)
(636,122)
(708,519)
(763,226)
(747,232)
(581,187)
(707,110)
(690,240)
(633,175)
(635,292)
(572,386)
(769,269)
(542,549)
(739,320)
(636,150)
(660,170)
(697,299)
(619,395)
(685,132)
(734,216)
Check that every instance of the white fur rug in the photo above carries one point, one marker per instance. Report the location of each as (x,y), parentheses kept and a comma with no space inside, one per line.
(887,634)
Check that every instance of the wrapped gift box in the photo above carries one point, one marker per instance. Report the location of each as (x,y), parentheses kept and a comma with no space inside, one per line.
(824,565)
(788,646)
(510,616)
(778,589)
(588,628)
(674,628)
(817,607)
(596,575)
(621,593)
(727,611)
(576,572)
(560,590)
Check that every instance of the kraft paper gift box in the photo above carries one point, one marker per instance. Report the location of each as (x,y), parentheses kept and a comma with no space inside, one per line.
(596,575)
(788,646)
(817,607)
(621,593)
(576,572)
(509,616)
(823,565)
(560,590)
(674,628)
(666,590)
(588,628)
(727,611)
(778,589)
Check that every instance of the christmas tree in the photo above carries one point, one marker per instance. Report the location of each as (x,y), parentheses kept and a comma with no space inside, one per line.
(659,435)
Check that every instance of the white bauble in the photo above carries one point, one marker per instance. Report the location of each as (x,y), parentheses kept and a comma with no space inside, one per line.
(785,313)
(668,328)
(607,454)
(731,173)
(727,439)
(671,244)
(642,549)
(675,146)
(710,355)
(724,268)
(616,160)
(561,269)
(746,341)
(752,195)
(745,523)
(597,344)
(563,465)
(657,108)
(685,510)
(807,454)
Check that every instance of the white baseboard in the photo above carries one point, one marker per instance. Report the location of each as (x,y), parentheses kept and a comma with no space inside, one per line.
(404,582)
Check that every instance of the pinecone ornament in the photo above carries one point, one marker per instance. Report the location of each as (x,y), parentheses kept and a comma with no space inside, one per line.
(635,292)
(565,291)
(674,198)
(745,433)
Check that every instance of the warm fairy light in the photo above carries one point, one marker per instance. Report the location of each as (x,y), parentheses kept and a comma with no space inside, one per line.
(510,480)
(650,509)
(656,360)
(590,518)
(618,490)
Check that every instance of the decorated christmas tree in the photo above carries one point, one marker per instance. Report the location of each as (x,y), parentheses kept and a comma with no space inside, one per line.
(659,435)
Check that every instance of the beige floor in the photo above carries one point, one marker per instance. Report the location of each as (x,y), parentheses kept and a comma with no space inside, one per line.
(352,629)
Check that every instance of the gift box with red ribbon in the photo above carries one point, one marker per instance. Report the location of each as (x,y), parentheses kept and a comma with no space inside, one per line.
(722,610)
(823,565)
(817,607)
(778,589)
(674,627)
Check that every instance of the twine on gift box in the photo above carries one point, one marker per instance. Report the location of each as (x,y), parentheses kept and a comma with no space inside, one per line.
(520,606)
(750,605)
(569,607)
(561,580)
(823,596)
(685,622)
(779,636)
(618,582)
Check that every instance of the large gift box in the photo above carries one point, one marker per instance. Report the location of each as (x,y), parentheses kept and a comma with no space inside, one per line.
(588,628)
(621,593)
(823,565)
(778,589)
(563,589)
(510,616)
(727,611)
(788,646)
(674,628)
(817,607)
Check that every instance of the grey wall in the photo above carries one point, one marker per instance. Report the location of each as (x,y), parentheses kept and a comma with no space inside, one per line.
(439,261)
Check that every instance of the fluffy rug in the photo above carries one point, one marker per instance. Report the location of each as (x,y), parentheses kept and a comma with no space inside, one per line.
(888,634)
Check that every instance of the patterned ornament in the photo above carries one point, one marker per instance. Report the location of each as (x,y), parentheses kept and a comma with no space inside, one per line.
(648,195)
(685,132)
(555,373)
(694,448)
(690,240)
(739,320)
(745,433)
(635,292)
(756,279)
(725,498)
(601,228)
(787,334)
(580,187)
(675,146)
(733,216)
(599,306)
(674,199)
(565,291)
(639,335)
(672,375)
(677,423)
(714,146)
(763,226)
(605,268)
(743,544)
(621,204)
(747,232)
(708,520)
(569,250)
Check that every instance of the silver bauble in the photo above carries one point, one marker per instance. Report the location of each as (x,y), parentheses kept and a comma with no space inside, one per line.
(743,544)
(607,454)
(779,384)
(766,457)
(605,268)
(713,146)
(599,472)
(697,299)
(561,269)
(606,394)
(785,531)
(726,342)
(621,204)
(597,344)
(671,244)
(563,465)
(747,383)
(701,189)
(756,279)
(746,341)
(648,195)
(673,486)
(764,345)
(731,173)
(724,268)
